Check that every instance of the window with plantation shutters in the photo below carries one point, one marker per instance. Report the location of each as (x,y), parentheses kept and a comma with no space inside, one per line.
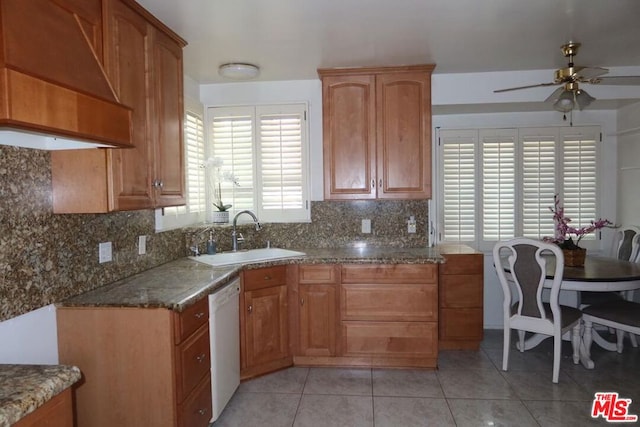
(266,149)
(499,183)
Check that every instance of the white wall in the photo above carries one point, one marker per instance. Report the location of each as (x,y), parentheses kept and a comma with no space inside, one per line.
(629,165)
(31,338)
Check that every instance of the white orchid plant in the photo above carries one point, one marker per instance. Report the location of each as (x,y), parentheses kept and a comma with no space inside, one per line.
(216,177)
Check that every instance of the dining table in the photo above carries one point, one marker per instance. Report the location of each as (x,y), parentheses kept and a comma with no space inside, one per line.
(598,274)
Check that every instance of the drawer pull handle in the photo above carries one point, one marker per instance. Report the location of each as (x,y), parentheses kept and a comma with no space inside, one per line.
(202,411)
(267,277)
(201,358)
(301,301)
(373,183)
(199,315)
(380,183)
(250,309)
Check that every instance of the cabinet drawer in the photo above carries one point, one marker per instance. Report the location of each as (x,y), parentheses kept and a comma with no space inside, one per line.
(193,361)
(390,273)
(402,302)
(463,264)
(264,277)
(390,339)
(462,290)
(196,410)
(461,323)
(318,273)
(191,319)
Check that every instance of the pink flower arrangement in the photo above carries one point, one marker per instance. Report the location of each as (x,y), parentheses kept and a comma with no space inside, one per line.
(564,230)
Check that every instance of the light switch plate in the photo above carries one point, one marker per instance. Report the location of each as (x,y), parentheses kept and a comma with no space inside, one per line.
(142,245)
(366,226)
(105,253)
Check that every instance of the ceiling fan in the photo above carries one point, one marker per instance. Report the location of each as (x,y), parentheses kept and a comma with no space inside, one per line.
(570,95)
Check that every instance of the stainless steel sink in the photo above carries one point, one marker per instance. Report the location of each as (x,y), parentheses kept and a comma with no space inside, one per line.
(245,257)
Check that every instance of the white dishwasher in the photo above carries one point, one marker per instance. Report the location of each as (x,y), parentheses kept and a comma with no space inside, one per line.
(224,330)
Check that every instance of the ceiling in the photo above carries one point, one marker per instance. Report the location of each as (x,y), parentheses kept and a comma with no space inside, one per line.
(290,39)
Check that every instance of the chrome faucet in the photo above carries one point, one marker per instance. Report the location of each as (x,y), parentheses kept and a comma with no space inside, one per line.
(237,237)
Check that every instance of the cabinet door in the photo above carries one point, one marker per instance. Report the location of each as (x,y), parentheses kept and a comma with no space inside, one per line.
(404,135)
(318,317)
(128,39)
(168,131)
(349,137)
(266,327)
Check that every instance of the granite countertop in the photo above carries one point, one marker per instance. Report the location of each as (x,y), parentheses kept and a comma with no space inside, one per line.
(178,284)
(24,388)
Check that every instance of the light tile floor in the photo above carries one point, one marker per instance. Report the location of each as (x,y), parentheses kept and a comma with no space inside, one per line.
(469,388)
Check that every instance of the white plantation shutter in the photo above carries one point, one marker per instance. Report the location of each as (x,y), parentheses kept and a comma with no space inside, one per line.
(282,162)
(498,183)
(265,148)
(458,166)
(538,180)
(579,178)
(232,140)
(194,145)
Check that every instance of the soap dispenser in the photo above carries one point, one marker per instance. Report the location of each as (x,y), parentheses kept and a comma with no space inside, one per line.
(211,244)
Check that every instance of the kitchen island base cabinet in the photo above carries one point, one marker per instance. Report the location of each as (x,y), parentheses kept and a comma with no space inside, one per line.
(141,366)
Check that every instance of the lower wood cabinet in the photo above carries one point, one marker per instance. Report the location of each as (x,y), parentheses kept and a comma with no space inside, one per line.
(461,288)
(264,321)
(389,314)
(141,366)
(57,412)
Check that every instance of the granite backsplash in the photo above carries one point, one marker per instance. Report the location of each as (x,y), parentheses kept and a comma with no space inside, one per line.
(46,257)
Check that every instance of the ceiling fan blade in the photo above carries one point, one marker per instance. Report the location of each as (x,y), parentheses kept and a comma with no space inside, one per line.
(589,73)
(525,87)
(617,80)
(555,94)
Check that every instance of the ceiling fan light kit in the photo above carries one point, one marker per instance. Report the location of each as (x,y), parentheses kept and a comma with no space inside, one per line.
(567,97)
(239,71)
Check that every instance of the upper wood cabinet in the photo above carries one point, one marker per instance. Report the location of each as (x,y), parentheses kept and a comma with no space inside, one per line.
(144,61)
(377,132)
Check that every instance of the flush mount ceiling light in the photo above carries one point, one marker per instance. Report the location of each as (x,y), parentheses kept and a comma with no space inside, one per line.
(239,71)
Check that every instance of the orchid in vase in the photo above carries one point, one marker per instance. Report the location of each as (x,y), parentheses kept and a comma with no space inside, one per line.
(216,177)
(564,231)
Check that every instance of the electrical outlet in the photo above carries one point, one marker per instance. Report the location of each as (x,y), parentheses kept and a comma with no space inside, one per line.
(411,225)
(366,226)
(142,245)
(105,253)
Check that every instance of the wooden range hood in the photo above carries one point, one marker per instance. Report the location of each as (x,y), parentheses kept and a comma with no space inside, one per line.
(52,81)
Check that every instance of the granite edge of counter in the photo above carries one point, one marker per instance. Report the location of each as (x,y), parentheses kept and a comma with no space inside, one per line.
(220,276)
(24,388)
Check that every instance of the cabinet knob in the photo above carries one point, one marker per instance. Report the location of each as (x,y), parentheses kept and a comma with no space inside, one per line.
(201,358)
(199,315)
(157,183)
(202,411)
(267,277)
(373,183)
(250,309)
(301,301)
(380,183)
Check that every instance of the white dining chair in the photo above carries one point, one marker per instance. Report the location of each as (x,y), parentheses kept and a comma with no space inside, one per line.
(523,308)
(622,315)
(625,245)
